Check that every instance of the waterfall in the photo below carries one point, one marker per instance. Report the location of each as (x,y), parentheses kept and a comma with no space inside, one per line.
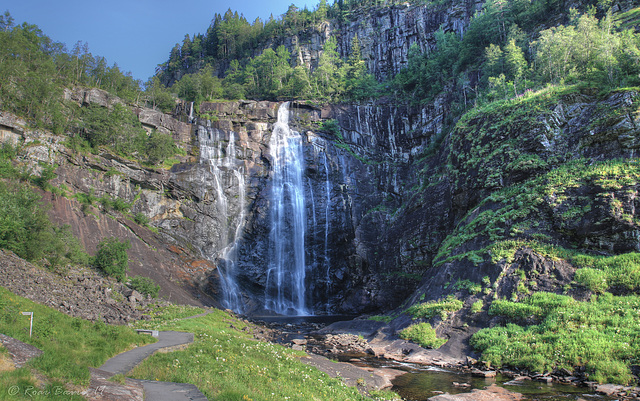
(286,270)
(327,219)
(226,175)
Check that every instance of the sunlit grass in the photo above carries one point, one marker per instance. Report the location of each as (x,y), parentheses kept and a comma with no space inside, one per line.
(71,345)
(601,335)
(226,363)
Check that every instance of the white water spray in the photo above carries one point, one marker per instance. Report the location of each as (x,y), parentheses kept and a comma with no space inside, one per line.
(286,271)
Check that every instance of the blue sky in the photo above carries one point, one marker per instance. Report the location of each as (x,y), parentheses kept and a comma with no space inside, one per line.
(136,34)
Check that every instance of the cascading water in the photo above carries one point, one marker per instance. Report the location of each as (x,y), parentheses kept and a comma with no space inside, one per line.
(327,219)
(286,271)
(226,173)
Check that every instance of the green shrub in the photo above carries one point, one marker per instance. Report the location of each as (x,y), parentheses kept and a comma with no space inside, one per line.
(598,273)
(476,307)
(331,127)
(112,257)
(472,287)
(47,173)
(422,334)
(144,285)
(141,219)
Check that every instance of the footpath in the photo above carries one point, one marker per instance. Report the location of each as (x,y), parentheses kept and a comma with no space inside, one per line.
(101,388)
(153,390)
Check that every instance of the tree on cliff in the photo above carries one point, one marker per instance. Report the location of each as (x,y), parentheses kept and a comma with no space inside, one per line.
(327,78)
(112,257)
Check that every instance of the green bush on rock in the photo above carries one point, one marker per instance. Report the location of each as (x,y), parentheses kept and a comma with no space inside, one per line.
(422,334)
(112,257)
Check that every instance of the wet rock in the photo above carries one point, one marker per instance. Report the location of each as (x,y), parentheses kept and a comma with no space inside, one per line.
(483,373)
(491,393)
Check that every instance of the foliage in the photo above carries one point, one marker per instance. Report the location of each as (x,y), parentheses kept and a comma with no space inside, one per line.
(159,147)
(144,285)
(35,70)
(70,345)
(112,257)
(273,74)
(430,309)
(477,306)
(426,74)
(527,201)
(601,273)
(141,219)
(600,335)
(589,50)
(473,288)
(34,73)
(47,173)
(243,367)
(332,127)
(381,318)
(422,334)
(26,229)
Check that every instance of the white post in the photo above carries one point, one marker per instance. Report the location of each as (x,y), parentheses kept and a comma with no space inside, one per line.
(30,323)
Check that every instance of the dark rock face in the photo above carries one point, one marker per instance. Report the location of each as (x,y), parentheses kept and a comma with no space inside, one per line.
(382,196)
(226,197)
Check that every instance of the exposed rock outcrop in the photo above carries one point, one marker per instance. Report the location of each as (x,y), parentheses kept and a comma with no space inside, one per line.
(79,293)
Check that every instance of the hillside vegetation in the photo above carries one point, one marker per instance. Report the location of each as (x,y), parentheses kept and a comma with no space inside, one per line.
(536,156)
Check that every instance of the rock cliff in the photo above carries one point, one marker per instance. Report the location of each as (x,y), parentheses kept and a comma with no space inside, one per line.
(393,206)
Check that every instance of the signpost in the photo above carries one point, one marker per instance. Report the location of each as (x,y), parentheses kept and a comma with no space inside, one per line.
(31,323)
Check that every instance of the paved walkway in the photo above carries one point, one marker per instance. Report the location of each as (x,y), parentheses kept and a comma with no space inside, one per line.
(124,362)
(154,390)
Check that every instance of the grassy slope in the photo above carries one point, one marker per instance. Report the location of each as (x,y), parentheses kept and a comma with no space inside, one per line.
(70,346)
(226,363)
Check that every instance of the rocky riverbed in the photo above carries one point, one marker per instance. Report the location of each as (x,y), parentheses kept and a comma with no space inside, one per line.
(369,345)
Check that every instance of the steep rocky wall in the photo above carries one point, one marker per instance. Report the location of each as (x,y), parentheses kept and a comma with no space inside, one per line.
(515,184)
(179,270)
(385,33)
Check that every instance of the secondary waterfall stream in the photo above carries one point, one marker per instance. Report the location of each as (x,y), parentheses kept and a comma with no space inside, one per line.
(286,270)
(226,172)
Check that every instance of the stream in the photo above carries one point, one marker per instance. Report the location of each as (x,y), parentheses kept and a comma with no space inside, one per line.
(419,385)
(421,382)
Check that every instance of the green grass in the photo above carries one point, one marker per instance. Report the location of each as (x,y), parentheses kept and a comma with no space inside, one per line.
(600,273)
(477,306)
(422,334)
(21,384)
(430,309)
(70,345)
(226,363)
(382,318)
(602,335)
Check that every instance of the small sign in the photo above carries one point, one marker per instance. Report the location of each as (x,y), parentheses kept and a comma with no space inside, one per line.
(31,322)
